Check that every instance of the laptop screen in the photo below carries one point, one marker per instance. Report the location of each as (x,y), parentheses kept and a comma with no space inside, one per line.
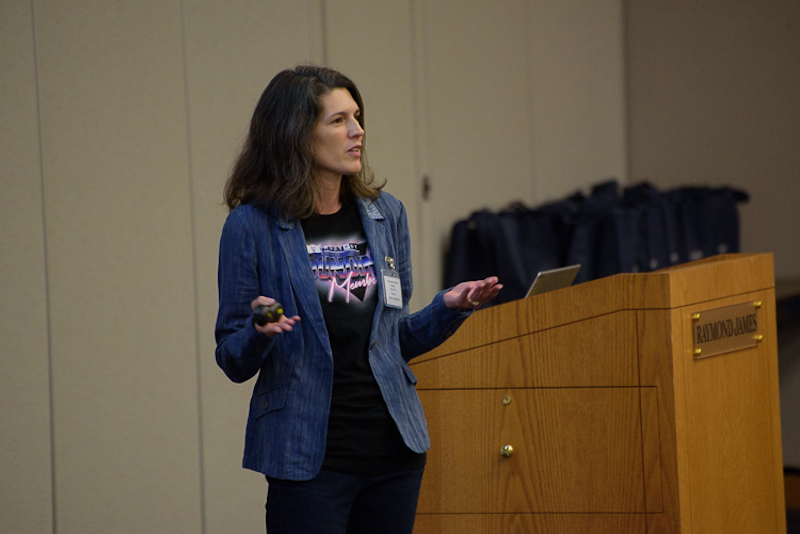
(553,279)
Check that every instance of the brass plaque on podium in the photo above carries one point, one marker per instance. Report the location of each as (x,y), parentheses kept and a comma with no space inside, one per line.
(727,329)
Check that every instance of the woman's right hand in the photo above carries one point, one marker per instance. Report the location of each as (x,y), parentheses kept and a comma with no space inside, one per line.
(283,324)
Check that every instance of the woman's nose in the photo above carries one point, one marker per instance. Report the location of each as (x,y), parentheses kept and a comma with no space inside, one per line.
(356,130)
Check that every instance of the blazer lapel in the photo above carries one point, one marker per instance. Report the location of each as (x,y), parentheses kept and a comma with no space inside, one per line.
(375,230)
(293,246)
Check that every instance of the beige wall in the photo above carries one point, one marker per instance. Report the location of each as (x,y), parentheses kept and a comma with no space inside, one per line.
(713,98)
(25,432)
(119,124)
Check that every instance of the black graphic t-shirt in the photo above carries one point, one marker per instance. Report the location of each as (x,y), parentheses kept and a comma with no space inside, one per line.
(362,436)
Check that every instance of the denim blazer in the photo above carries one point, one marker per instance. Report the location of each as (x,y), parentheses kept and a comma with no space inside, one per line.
(287,424)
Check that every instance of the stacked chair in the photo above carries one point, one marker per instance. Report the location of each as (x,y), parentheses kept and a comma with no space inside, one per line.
(611,230)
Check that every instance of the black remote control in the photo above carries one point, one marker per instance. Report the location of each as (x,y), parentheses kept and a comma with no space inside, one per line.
(264,314)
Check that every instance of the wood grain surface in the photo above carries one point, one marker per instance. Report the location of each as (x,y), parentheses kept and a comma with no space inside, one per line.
(575,450)
(615,426)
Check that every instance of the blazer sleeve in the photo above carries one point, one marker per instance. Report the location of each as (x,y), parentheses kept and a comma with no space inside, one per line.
(240,348)
(428,328)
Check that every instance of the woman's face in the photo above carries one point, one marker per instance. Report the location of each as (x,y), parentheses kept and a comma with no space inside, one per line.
(338,136)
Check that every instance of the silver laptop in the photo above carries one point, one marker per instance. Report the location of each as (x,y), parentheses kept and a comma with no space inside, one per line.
(553,279)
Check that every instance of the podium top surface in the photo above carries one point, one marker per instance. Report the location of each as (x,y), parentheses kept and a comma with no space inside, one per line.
(687,284)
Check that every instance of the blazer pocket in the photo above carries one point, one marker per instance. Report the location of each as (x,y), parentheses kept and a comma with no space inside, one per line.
(409,374)
(270,401)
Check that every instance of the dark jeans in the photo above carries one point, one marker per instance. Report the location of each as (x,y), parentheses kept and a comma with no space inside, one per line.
(340,503)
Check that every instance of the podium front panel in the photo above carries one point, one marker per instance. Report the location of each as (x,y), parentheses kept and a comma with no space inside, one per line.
(615,426)
(573,450)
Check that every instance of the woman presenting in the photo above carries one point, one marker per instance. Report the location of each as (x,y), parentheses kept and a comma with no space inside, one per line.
(335,422)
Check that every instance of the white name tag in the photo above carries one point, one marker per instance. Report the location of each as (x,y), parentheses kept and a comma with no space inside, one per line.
(392,289)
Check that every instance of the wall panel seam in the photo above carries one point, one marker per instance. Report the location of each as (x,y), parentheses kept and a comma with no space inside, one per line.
(53,503)
(195,281)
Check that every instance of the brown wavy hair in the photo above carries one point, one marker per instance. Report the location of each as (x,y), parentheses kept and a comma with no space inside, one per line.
(275,168)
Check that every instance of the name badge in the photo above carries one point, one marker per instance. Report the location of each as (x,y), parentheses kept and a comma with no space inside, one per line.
(392,288)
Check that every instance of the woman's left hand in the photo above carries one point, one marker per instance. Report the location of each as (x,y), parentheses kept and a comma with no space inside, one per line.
(472,295)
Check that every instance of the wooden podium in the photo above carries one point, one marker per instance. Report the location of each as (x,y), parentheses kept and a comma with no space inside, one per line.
(614,424)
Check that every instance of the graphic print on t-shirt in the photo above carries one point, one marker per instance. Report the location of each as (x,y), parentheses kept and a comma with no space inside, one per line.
(343,269)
